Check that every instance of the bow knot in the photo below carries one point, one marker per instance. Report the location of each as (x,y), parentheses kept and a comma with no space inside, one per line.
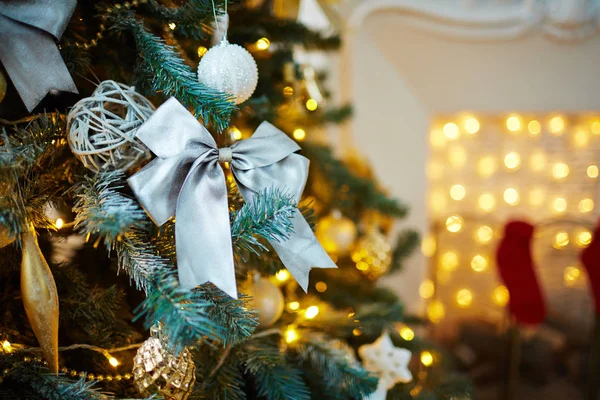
(186,180)
(225,154)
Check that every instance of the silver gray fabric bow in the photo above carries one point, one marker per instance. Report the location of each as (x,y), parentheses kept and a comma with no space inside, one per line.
(28,30)
(187,181)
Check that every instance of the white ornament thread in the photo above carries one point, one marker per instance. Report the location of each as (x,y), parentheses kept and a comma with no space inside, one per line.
(231,69)
(101,128)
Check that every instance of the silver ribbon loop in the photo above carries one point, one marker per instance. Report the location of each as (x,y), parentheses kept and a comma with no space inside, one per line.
(28,30)
(186,180)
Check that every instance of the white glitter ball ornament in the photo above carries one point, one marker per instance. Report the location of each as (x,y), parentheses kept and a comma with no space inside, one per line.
(229,68)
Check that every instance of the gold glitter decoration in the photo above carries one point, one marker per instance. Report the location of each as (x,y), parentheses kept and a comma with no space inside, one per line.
(373,254)
(158,371)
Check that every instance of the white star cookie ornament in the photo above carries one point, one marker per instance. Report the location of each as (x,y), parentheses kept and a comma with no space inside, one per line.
(390,363)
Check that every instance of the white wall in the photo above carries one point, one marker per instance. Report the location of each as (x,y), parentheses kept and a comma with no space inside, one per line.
(400,76)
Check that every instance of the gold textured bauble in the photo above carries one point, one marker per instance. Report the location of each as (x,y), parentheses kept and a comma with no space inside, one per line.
(40,298)
(3,86)
(267,300)
(336,233)
(156,370)
(373,254)
(5,238)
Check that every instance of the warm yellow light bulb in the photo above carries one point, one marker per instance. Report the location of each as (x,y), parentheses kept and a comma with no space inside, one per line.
(427,289)
(592,171)
(556,125)
(437,138)
(235,133)
(472,125)
(426,358)
(479,263)
(406,333)
(457,156)
(113,361)
(202,51)
(311,104)
(486,166)
(581,138)
(311,312)
(511,196)
(457,192)
(484,234)
(571,275)
(583,238)
(561,240)
(512,160)
(7,347)
(321,287)
(449,261)
(487,202)
(513,123)
(294,305)
(282,275)
(436,311)
(586,205)
(291,335)
(559,205)
(299,134)
(451,130)
(537,161)
(454,223)
(595,127)
(560,170)
(500,296)
(464,298)
(534,127)
(263,44)
(536,196)
(172,25)
(288,91)
(437,201)
(59,223)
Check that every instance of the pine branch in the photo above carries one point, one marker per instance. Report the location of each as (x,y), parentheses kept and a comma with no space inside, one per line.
(170,75)
(406,243)
(275,378)
(192,19)
(222,378)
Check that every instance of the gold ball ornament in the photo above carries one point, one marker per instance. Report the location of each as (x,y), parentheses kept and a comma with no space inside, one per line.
(267,300)
(3,86)
(156,370)
(336,233)
(373,254)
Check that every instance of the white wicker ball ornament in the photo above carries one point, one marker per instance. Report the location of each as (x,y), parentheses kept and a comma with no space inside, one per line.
(229,68)
(102,127)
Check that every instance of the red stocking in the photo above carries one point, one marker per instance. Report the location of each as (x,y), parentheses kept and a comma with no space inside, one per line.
(590,258)
(516,270)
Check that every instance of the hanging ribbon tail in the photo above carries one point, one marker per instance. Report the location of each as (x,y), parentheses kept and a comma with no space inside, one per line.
(302,251)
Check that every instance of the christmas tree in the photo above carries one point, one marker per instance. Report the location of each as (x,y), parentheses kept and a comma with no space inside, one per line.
(188,276)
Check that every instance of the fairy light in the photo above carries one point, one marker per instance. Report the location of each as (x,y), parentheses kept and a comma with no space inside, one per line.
(454,223)
(536,196)
(586,205)
(406,333)
(537,161)
(583,238)
(311,312)
(511,196)
(560,170)
(457,192)
(581,138)
(513,123)
(486,166)
(59,223)
(426,358)
(437,138)
(534,127)
(472,125)
(113,361)
(357,331)
(559,205)
(451,130)
(437,200)
(282,275)
(479,263)
(427,289)
(172,25)
(556,125)
(428,246)
(436,311)
(592,171)
(235,133)
(595,127)
(484,234)
(464,298)
(500,296)
(512,160)
(7,347)
(202,51)
(561,240)
(262,44)
(449,261)
(571,275)
(457,156)
(288,91)
(321,287)
(299,134)
(294,305)
(487,202)
(311,104)
(291,335)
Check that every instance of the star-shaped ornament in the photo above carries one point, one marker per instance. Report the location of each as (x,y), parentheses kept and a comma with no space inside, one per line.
(390,363)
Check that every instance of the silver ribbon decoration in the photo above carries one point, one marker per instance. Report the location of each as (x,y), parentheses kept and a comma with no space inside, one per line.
(28,30)
(187,181)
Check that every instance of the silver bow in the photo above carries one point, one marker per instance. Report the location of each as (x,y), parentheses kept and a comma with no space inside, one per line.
(186,180)
(28,30)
